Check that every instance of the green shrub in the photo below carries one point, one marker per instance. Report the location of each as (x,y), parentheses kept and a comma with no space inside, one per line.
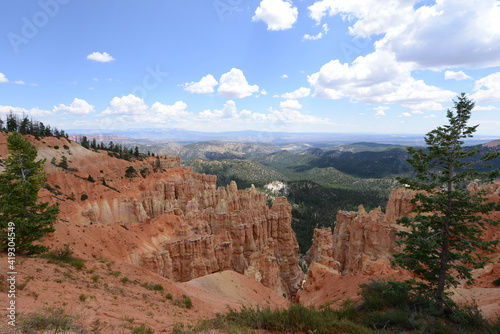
(142,329)
(169,296)
(65,255)
(158,287)
(496,282)
(124,279)
(187,301)
(50,319)
(115,273)
(130,172)
(84,197)
(95,278)
(83,297)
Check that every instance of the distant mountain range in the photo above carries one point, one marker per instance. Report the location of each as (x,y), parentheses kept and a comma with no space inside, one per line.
(250,136)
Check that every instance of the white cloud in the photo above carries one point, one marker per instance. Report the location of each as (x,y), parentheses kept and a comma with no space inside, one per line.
(77,107)
(284,76)
(373,16)
(33,112)
(459,76)
(317,36)
(204,86)
(405,114)
(486,108)
(228,111)
(290,104)
(3,79)
(380,111)
(19,82)
(425,106)
(313,37)
(234,85)
(430,116)
(263,92)
(287,114)
(277,14)
(487,89)
(95,79)
(297,94)
(458,33)
(100,57)
(161,112)
(376,78)
(126,105)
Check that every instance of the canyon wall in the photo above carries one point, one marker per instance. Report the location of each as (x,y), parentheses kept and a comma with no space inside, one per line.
(170,220)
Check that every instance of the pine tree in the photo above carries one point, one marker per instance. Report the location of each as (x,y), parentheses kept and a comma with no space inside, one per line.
(19,185)
(64,162)
(442,243)
(11,122)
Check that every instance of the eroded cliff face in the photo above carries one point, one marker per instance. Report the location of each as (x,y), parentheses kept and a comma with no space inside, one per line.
(364,242)
(173,221)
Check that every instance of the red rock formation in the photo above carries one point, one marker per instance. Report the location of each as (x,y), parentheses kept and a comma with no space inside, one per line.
(184,226)
(321,251)
(399,204)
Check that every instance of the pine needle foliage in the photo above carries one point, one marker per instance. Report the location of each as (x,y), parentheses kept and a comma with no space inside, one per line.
(443,242)
(19,185)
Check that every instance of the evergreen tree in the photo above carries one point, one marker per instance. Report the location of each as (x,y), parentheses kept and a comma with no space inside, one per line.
(24,126)
(443,242)
(64,162)
(85,142)
(11,122)
(136,151)
(19,185)
(1,125)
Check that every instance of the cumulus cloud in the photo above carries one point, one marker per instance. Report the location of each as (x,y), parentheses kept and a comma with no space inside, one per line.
(19,82)
(297,94)
(449,31)
(277,14)
(100,57)
(287,113)
(126,105)
(425,106)
(204,86)
(313,37)
(234,85)
(290,104)
(380,111)
(459,76)
(284,76)
(370,16)
(263,92)
(446,29)
(33,112)
(228,111)
(3,78)
(77,107)
(405,114)
(487,89)
(318,35)
(486,108)
(377,78)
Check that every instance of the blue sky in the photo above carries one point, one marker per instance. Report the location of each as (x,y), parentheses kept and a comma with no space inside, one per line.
(362,66)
